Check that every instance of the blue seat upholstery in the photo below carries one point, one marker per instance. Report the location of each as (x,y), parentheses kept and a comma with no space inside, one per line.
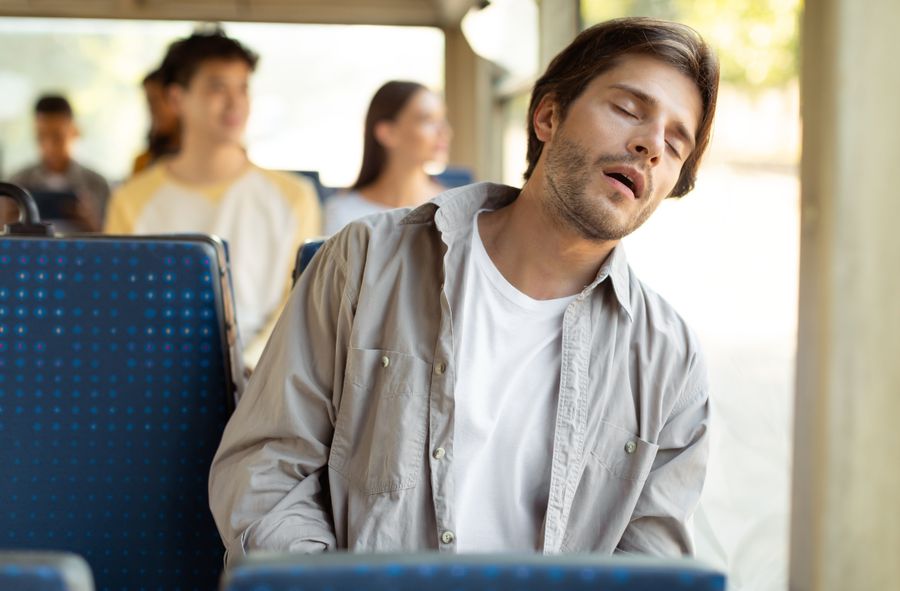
(305,254)
(313,176)
(453,177)
(55,205)
(447,572)
(44,571)
(116,381)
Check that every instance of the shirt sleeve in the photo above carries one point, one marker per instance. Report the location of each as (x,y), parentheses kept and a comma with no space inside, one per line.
(308,215)
(20,178)
(118,219)
(268,484)
(125,208)
(101,194)
(660,522)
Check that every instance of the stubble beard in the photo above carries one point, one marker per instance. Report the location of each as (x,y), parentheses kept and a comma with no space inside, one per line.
(567,202)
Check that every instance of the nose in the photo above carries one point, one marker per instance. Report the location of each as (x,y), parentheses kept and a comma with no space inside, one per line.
(648,143)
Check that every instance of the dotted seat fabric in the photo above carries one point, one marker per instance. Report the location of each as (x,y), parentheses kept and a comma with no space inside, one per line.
(115,387)
(44,571)
(447,572)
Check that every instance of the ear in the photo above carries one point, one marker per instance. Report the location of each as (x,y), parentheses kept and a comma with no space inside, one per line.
(174,94)
(546,118)
(384,134)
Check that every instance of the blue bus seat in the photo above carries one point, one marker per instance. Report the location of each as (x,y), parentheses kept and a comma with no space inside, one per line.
(44,571)
(305,254)
(119,367)
(453,177)
(313,176)
(482,572)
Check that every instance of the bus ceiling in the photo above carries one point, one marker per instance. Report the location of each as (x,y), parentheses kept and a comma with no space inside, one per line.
(435,13)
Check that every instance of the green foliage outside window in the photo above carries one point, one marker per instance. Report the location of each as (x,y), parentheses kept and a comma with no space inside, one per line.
(756,40)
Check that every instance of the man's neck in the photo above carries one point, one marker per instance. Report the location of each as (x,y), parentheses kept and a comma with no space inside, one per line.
(58,167)
(535,253)
(203,163)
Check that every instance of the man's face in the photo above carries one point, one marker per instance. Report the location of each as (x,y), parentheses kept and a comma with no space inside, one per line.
(56,135)
(215,105)
(620,149)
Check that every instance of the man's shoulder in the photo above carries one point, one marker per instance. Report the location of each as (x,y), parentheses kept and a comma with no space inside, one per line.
(90,174)
(371,242)
(143,185)
(668,342)
(386,227)
(26,174)
(658,322)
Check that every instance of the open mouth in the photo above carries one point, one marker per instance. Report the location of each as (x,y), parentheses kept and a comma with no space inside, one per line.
(625,180)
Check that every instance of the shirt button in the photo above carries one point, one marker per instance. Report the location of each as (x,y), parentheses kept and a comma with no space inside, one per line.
(439,453)
(630,447)
(385,361)
(440,368)
(447,537)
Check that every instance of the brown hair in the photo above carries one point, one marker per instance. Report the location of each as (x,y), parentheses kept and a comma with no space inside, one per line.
(185,56)
(386,104)
(598,49)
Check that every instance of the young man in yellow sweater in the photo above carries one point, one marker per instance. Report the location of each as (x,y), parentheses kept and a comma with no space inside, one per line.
(210,186)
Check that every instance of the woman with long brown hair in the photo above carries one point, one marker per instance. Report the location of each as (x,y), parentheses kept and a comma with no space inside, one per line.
(406,129)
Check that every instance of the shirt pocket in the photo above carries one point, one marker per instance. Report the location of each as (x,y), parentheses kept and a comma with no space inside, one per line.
(614,474)
(381,426)
(624,454)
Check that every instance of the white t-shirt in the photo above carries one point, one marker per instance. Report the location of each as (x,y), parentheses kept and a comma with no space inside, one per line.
(342,208)
(506,400)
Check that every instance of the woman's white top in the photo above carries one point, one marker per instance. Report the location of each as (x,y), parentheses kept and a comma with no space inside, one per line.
(342,208)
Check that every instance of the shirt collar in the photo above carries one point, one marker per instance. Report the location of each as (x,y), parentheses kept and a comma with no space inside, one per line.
(70,171)
(454,210)
(616,269)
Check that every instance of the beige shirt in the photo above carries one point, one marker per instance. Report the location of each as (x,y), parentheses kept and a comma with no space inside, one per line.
(344,436)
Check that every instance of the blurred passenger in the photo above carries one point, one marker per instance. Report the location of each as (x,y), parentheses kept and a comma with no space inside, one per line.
(164,136)
(211,187)
(406,129)
(58,171)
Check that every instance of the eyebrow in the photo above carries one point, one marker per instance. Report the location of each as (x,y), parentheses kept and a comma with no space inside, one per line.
(642,96)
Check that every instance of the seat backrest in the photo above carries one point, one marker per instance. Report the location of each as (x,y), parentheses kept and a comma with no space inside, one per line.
(453,177)
(313,176)
(55,205)
(305,254)
(117,376)
(44,571)
(446,572)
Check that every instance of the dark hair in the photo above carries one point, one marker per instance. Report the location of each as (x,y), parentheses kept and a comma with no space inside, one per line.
(598,49)
(53,104)
(185,56)
(154,77)
(387,103)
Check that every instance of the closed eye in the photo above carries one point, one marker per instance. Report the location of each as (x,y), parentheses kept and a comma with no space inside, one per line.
(674,150)
(626,112)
